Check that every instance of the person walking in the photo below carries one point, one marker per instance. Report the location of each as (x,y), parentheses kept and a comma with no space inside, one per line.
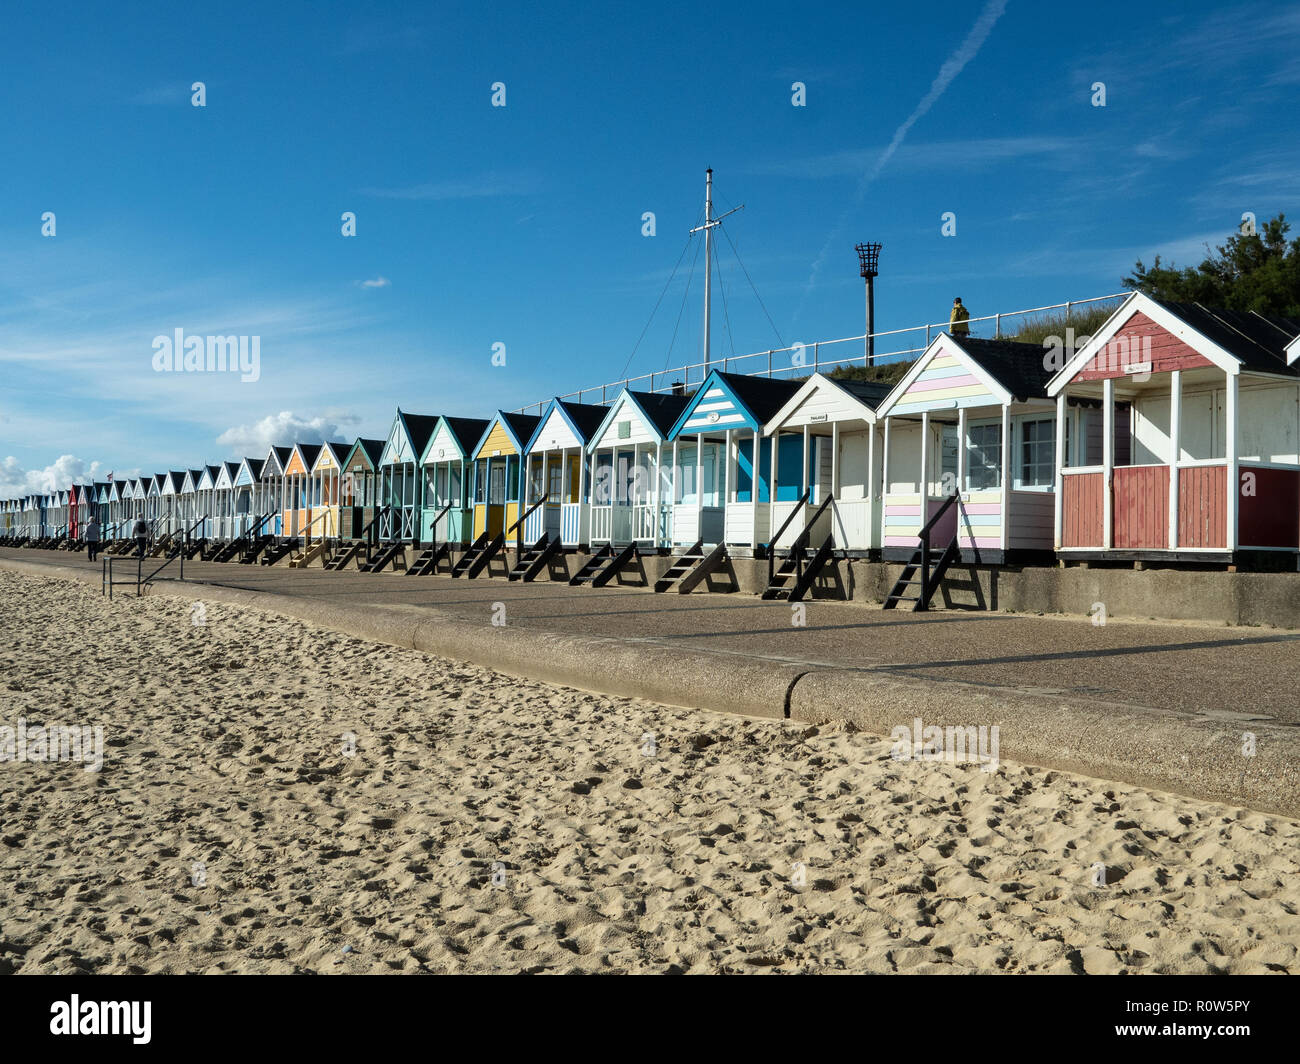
(140,533)
(958,320)
(92,538)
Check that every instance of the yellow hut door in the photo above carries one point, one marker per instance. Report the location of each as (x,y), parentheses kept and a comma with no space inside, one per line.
(496,510)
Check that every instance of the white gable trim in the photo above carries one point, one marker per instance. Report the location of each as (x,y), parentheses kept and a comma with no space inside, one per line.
(443,440)
(945,345)
(555,434)
(1171,323)
(814,384)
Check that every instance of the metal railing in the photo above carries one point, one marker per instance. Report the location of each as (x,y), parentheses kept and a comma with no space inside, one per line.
(306,532)
(927,584)
(107,579)
(800,545)
(518,526)
(772,542)
(799,360)
(433,526)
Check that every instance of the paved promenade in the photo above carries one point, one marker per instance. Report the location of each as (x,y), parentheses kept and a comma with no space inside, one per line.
(1153,682)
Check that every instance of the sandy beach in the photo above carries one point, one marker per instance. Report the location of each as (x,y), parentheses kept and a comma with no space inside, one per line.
(281,798)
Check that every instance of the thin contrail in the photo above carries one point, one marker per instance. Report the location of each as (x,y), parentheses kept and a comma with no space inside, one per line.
(952,66)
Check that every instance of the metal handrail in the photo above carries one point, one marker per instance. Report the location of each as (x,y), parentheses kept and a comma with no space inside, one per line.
(370,533)
(925,528)
(924,536)
(519,535)
(801,541)
(771,544)
(433,525)
(307,530)
(815,363)
(256,528)
(791,515)
(177,552)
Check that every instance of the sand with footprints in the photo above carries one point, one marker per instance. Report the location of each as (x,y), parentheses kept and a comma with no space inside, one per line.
(276,797)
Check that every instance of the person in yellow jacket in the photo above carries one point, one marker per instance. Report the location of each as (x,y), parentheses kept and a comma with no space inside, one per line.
(957,320)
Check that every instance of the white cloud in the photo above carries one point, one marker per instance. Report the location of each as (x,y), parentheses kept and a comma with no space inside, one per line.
(1061,152)
(283,430)
(378,282)
(67,469)
(952,66)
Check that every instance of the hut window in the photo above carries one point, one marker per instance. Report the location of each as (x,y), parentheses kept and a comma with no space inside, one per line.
(984,456)
(1037,454)
(497,483)
(536,479)
(512,479)
(603,480)
(948,445)
(555,489)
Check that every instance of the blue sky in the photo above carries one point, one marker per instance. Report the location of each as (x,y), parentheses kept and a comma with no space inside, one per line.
(522,225)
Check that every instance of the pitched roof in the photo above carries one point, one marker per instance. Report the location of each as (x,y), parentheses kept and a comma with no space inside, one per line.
(1018,367)
(467,431)
(255,466)
(585,417)
(764,396)
(869,392)
(521,426)
(338,448)
(372,449)
(420,427)
(1258,341)
(662,409)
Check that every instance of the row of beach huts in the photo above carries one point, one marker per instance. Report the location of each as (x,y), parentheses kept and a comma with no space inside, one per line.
(1172,436)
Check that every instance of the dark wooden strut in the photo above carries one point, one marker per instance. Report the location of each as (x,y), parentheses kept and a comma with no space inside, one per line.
(257,540)
(771,549)
(531,562)
(387,553)
(428,560)
(690,568)
(708,564)
(614,565)
(471,554)
(343,557)
(376,556)
(931,576)
(804,571)
(592,565)
(518,526)
(680,567)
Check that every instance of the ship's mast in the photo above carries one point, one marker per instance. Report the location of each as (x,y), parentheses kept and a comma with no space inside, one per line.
(710,223)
